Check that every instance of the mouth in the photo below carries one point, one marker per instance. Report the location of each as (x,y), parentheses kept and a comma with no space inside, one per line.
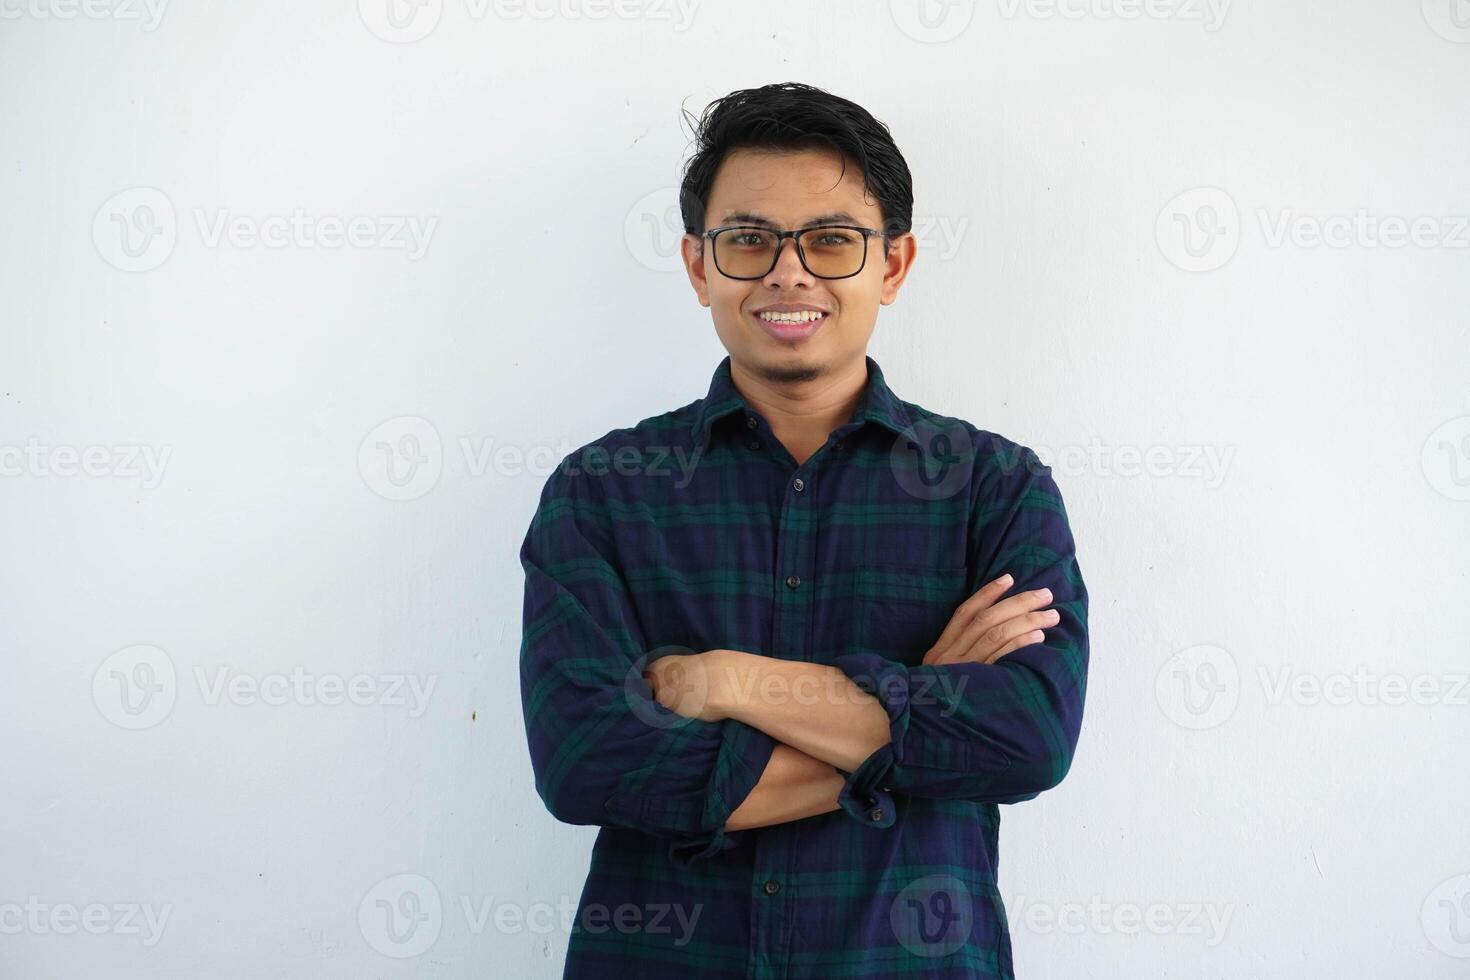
(790,326)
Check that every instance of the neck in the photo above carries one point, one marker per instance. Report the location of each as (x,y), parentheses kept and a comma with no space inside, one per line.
(803,404)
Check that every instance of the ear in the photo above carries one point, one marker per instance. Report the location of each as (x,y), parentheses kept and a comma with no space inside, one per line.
(902,250)
(691,249)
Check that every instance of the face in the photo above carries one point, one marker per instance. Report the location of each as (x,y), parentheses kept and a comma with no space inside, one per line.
(789,190)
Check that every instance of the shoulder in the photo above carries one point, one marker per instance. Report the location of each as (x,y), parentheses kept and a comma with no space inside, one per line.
(996,462)
(606,466)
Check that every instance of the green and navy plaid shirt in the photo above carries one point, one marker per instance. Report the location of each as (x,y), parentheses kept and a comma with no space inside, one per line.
(696,530)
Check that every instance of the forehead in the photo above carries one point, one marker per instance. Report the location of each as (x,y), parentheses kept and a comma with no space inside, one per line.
(789,189)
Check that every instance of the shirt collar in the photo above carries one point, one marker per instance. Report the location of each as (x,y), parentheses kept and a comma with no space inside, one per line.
(876,404)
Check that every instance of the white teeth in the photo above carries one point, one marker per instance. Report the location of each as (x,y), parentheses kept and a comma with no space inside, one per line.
(805,316)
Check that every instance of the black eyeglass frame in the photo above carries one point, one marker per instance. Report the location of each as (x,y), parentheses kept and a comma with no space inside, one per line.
(795,235)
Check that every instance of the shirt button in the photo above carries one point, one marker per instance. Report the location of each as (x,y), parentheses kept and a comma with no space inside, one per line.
(877,815)
(772,887)
(753,444)
(798,485)
(792,581)
(750,421)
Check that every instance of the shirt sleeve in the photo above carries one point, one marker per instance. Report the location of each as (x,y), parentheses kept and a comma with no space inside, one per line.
(1001,732)
(603,750)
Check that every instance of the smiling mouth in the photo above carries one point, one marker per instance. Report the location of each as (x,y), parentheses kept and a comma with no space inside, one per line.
(791,326)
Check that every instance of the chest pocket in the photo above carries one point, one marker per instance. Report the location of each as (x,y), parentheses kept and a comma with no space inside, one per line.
(898,611)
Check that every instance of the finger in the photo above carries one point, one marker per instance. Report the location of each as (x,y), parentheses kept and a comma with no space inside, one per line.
(978,647)
(937,653)
(1004,609)
(1007,609)
(985,595)
(966,611)
(1018,604)
(1024,640)
(988,643)
(953,655)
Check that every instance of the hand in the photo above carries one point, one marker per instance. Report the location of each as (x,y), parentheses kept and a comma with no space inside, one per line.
(692,684)
(982,629)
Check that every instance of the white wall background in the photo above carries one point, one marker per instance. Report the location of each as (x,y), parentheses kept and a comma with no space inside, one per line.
(1271,781)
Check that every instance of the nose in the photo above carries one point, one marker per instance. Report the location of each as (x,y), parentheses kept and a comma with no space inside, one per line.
(788,270)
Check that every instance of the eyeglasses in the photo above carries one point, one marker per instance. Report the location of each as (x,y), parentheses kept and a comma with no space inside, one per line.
(826,251)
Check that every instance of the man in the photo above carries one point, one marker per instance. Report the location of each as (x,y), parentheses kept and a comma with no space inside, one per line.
(791,644)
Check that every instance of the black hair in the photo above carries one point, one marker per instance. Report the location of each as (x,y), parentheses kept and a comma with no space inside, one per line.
(790,116)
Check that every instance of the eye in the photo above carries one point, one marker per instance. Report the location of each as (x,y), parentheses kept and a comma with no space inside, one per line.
(834,239)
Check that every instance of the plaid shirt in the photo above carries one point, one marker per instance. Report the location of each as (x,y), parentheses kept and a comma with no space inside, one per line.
(697,530)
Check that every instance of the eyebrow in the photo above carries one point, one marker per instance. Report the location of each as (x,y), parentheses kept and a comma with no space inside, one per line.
(751,218)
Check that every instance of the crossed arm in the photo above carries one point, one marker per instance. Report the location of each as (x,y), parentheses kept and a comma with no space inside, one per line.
(991,713)
(824,723)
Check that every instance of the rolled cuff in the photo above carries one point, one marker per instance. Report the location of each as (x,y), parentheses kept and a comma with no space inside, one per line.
(864,795)
(743,754)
